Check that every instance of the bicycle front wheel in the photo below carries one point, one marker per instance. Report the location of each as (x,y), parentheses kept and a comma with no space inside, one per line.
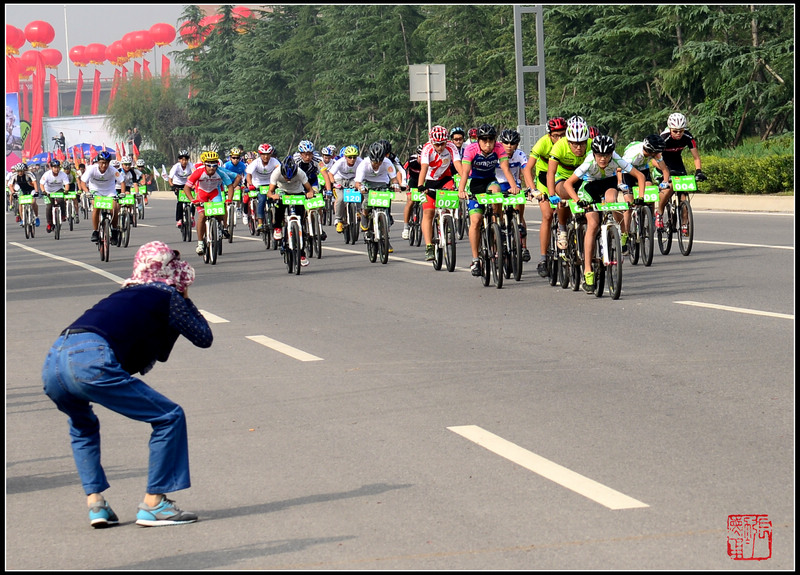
(634,237)
(665,233)
(212,238)
(317,237)
(231,222)
(515,248)
(646,231)
(485,256)
(57,223)
(598,267)
(352,216)
(383,233)
(125,228)
(496,248)
(615,259)
(105,240)
(450,243)
(685,228)
(297,252)
(438,254)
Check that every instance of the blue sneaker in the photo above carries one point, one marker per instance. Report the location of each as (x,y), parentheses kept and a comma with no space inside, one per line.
(37,222)
(165,513)
(101,515)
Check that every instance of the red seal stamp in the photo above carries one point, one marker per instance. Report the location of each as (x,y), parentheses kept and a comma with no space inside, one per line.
(749,537)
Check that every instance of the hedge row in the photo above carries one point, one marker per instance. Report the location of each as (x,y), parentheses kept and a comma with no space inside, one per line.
(771,174)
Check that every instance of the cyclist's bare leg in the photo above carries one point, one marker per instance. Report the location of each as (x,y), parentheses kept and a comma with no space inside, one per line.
(544,229)
(427,225)
(475,219)
(592,223)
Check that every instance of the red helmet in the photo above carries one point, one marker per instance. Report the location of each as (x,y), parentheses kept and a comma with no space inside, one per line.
(556,124)
(473,133)
(265,149)
(438,135)
(594,131)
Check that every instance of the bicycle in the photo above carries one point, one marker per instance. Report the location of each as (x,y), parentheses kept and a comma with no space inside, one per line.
(608,258)
(269,221)
(230,212)
(140,195)
(85,207)
(327,209)
(72,214)
(212,242)
(640,234)
(678,218)
(415,217)
(556,263)
(106,206)
(444,230)
(377,235)
(313,225)
(28,217)
(490,251)
(252,202)
(127,218)
(292,242)
(53,198)
(352,198)
(572,256)
(186,216)
(510,229)
(461,213)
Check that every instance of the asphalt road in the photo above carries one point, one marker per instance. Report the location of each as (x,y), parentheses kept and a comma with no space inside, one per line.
(439,424)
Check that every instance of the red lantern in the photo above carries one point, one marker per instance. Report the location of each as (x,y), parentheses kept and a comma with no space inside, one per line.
(190,35)
(162,34)
(78,56)
(15,39)
(96,53)
(119,53)
(52,57)
(129,43)
(240,16)
(144,42)
(39,34)
(28,60)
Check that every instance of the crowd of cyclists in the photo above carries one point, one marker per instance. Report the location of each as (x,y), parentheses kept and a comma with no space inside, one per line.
(480,160)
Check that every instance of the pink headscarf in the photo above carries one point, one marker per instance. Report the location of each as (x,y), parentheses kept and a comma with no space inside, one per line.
(157,262)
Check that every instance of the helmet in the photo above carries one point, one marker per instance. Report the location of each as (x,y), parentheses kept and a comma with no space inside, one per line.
(305,146)
(140,163)
(104,156)
(486,131)
(209,156)
(19,167)
(473,133)
(265,149)
(376,152)
(419,149)
(556,124)
(603,144)
(55,164)
(457,130)
(126,160)
(438,135)
(288,168)
(114,163)
(577,131)
(350,151)
(509,137)
(676,121)
(329,151)
(654,144)
(66,165)
(594,131)
(235,153)
(573,119)
(183,154)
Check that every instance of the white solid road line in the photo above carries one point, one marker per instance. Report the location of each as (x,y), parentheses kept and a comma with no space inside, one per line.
(737,309)
(547,469)
(91,268)
(298,354)
(210,317)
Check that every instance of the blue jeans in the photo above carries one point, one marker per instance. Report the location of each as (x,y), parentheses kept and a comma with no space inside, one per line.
(81,369)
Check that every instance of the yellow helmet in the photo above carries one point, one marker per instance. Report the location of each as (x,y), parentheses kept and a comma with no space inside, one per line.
(209,156)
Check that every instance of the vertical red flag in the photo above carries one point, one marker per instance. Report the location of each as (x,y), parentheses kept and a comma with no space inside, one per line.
(49,157)
(96,92)
(60,155)
(12,75)
(124,72)
(137,69)
(37,114)
(118,154)
(53,96)
(114,87)
(122,144)
(164,70)
(76,110)
(135,151)
(92,153)
(146,70)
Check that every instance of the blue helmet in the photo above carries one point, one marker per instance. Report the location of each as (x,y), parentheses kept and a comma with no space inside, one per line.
(305,146)
(104,156)
(288,168)
(329,150)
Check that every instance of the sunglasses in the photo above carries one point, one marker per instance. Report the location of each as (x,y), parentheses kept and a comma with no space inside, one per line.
(677,131)
(211,165)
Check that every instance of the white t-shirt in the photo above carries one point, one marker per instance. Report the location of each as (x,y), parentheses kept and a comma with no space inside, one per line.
(101,183)
(381,177)
(51,182)
(260,174)
(516,162)
(178,174)
(341,170)
(296,186)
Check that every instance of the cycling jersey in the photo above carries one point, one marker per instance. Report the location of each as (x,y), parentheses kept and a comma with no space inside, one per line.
(516,162)
(238,169)
(51,182)
(438,162)
(23,183)
(483,166)
(131,177)
(259,173)
(295,186)
(310,168)
(567,161)
(206,186)
(178,174)
(366,175)
(102,183)
(412,169)
(540,153)
(594,172)
(672,153)
(340,169)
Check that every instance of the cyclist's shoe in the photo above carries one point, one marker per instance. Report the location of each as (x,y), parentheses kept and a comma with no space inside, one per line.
(364,224)
(178,224)
(562,240)
(225,233)
(101,515)
(588,282)
(115,237)
(277,234)
(49,228)
(165,513)
(303,261)
(685,230)
(339,227)
(77,221)
(523,232)
(95,236)
(391,249)
(239,212)
(260,229)
(429,253)
(324,236)
(526,255)
(623,239)
(404,235)
(19,219)
(475,268)
(244,219)
(193,224)
(541,267)
(37,222)
(200,249)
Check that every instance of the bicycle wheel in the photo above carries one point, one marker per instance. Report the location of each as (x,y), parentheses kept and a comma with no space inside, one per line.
(383,232)
(412,225)
(308,228)
(438,254)
(294,233)
(70,214)
(288,255)
(186,223)
(634,237)
(125,228)
(134,216)
(231,213)
(463,218)
(317,237)
(251,220)
(598,267)
(665,233)
(554,263)
(496,249)
(372,245)
(485,256)
(352,218)
(515,248)
(685,228)
(214,240)
(418,225)
(646,232)
(105,239)
(614,268)
(449,243)
(575,247)
(57,223)
(140,208)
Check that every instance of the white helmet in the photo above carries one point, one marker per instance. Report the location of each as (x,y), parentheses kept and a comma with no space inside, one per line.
(126,160)
(676,121)
(577,131)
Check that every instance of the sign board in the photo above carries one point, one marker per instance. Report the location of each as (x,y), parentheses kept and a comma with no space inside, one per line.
(425,78)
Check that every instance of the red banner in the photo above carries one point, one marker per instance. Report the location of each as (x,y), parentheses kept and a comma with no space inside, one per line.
(37,114)
(114,87)
(96,92)
(146,71)
(165,71)
(60,155)
(12,75)
(76,110)
(124,72)
(92,153)
(137,69)
(53,96)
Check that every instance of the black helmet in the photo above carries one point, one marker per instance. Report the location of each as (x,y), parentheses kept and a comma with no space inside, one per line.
(288,168)
(55,163)
(487,131)
(419,149)
(603,144)
(376,152)
(654,144)
(509,137)
(387,146)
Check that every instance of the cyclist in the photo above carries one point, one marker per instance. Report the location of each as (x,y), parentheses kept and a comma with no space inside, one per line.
(23,182)
(517,161)
(436,157)
(457,136)
(54,181)
(133,177)
(325,164)
(101,179)
(177,177)
(479,165)
(412,168)
(640,155)
(594,131)
(535,175)
(473,136)
(204,185)
(600,170)
(343,173)
(238,169)
(289,179)
(566,154)
(677,137)
(376,172)
(73,175)
(308,159)
(258,174)
(147,177)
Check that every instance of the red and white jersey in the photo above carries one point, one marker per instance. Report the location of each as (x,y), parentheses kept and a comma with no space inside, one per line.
(205,182)
(438,162)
